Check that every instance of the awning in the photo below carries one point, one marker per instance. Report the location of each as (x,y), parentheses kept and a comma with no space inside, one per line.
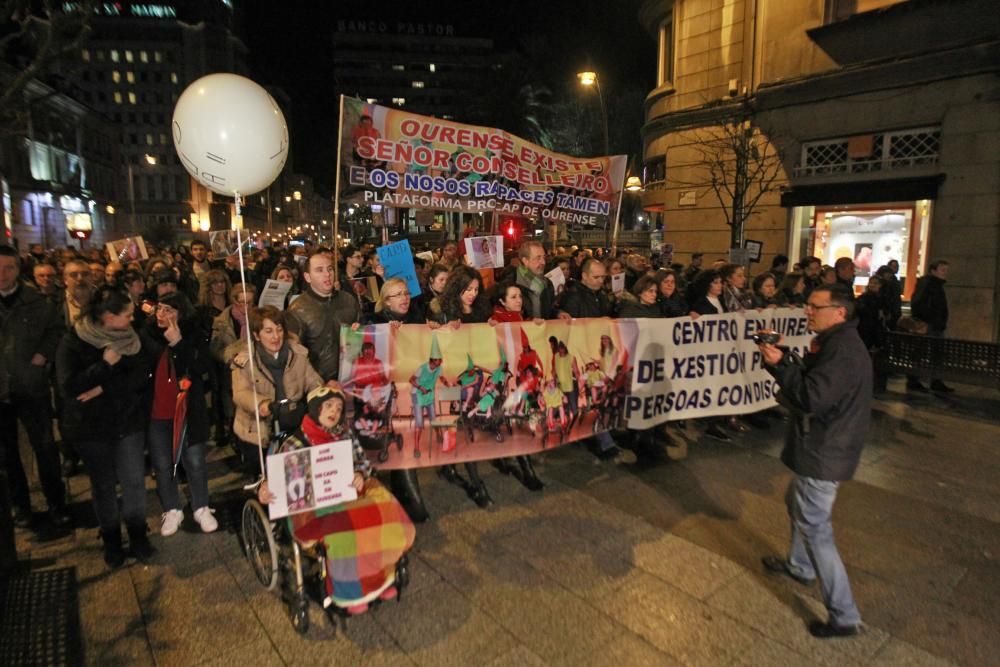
(863,192)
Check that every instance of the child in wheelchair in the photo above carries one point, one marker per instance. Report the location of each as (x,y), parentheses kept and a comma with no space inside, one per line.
(361,541)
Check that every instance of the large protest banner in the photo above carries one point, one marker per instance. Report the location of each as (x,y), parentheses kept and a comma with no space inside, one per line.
(688,368)
(427,397)
(399,159)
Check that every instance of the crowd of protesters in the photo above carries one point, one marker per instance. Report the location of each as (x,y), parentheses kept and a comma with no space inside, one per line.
(102,348)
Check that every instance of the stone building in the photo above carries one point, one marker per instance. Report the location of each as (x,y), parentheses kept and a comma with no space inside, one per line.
(884,117)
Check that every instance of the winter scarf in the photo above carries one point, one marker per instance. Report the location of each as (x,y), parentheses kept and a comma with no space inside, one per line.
(125,343)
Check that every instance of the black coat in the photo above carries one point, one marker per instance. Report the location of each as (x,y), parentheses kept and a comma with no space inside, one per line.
(637,310)
(191,359)
(930,303)
(675,306)
(536,305)
(830,397)
(870,311)
(121,409)
(580,301)
(704,307)
(29,325)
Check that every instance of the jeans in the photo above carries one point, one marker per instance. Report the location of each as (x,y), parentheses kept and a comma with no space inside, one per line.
(36,415)
(813,552)
(161,454)
(112,461)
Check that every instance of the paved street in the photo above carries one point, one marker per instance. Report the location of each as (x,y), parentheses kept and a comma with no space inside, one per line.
(611,564)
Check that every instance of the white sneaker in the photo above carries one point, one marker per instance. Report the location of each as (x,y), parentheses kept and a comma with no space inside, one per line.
(170,521)
(203,515)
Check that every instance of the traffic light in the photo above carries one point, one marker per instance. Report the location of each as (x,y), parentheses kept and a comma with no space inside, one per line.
(511,230)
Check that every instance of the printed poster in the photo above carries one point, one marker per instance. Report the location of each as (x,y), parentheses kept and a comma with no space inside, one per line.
(311,478)
(128,249)
(484,252)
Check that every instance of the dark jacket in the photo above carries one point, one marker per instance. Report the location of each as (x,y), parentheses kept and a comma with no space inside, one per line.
(580,301)
(317,321)
(121,409)
(29,325)
(637,310)
(930,303)
(872,316)
(830,396)
(384,316)
(704,307)
(536,305)
(892,300)
(190,358)
(675,306)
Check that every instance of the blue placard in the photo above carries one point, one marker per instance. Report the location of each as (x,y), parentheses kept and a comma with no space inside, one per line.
(398,262)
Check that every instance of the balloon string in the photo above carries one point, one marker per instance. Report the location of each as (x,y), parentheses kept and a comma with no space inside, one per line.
(250,351)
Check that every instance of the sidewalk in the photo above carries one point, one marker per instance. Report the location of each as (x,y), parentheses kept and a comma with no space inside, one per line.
(609,565)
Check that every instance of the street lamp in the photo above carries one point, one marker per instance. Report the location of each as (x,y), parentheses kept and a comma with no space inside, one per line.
(150,160)
(589,78)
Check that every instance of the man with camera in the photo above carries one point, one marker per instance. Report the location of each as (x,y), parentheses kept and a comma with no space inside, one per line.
(829,394)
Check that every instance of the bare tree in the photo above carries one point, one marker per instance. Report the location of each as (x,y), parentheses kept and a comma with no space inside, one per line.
(38,37)
(741,165)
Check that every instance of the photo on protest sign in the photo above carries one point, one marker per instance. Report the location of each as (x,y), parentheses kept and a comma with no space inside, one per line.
(429,397)
(311,478)
(484,252)
(274,294)
(128,249)
(225,243)
(558,280)
(395,158)
(365,288)
(618,283)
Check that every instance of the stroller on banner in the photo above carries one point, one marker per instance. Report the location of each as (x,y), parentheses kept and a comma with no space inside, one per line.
(344,557)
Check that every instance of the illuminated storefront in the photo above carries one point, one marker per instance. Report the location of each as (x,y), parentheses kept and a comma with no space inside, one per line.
(870,235)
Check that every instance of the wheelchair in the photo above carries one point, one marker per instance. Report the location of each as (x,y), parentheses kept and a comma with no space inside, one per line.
(279,562)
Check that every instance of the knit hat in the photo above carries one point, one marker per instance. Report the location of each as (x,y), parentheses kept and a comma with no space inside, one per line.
(317,397)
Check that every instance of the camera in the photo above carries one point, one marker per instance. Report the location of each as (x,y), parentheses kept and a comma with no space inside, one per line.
(766,337)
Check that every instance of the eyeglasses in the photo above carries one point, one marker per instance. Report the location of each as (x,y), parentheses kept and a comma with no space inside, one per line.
(813,306)
(78,274)
(393,296)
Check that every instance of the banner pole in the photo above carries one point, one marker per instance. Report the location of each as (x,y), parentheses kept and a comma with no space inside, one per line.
(336,196)
(618,212)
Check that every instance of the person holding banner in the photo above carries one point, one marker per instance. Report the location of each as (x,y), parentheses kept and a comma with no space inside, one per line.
(672,303)
(461,302)
(361,540)
(829,394)
(175,340)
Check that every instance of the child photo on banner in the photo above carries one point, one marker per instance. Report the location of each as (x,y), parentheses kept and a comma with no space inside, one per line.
(484,252)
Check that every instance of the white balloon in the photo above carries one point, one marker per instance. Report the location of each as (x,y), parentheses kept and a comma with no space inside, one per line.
(230,134)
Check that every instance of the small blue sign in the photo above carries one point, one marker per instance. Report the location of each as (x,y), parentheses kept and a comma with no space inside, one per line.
(398,262)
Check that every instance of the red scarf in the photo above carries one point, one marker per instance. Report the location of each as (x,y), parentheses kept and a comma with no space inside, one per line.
(501,314)
(316,434)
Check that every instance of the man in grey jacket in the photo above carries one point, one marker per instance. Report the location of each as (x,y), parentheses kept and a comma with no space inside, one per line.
(829,394)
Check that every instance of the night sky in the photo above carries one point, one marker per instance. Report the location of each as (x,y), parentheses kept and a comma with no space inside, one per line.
(290,46)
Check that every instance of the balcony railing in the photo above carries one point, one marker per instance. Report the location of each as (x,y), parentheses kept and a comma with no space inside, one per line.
(886,151)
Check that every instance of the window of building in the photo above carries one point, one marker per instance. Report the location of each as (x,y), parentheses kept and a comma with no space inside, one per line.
(116,76)
(157,77)
(158,56)
(131,98)
(143,76)
(149,139)
(372,100)
(665,53)
(418,84)
(128,56)
(130,77)
(173,77)
(399,101)
(85,54)
(399,68)
(144,56)
(163,138)
(432,67)
(133,138)
(114,55)
(118,97)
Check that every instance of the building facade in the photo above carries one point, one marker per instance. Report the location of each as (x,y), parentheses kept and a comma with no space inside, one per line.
(58,171)
(133,67)
(880,118)
(426,68)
